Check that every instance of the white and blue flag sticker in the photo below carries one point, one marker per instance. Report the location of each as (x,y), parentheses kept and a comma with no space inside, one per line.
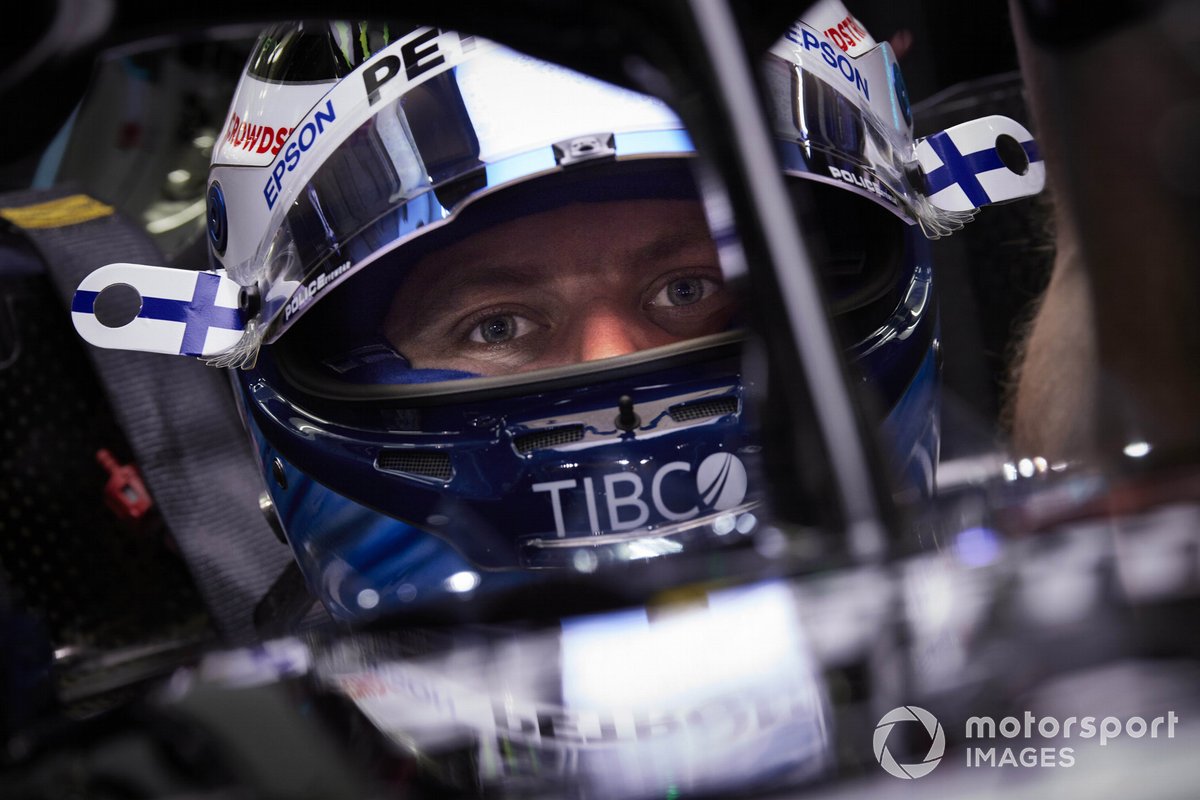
(182,312)
(988,160)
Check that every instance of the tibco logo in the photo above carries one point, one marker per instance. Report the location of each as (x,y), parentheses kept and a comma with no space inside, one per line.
(937,746)
(720,485)
(721,481)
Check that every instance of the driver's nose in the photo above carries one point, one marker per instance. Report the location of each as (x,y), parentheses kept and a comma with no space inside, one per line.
(604,333)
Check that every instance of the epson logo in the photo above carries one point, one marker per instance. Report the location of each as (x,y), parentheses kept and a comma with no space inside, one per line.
(719,484)
(835,60)
(305,136)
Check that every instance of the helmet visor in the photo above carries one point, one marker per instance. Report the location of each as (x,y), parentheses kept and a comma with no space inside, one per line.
(596,248)
(364,172)
(596,264)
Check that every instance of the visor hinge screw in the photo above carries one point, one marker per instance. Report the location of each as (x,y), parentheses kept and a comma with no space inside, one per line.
(267,506)
(249,301)
(278,473)
(627,418)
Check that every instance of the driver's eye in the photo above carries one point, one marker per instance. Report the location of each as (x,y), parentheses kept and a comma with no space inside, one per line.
(500,328)
(684,291)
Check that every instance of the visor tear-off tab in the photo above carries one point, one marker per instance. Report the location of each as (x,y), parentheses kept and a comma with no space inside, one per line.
(967,166)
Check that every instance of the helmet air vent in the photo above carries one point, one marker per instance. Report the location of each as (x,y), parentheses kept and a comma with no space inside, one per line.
(702,409)
(426,463)
(538,440)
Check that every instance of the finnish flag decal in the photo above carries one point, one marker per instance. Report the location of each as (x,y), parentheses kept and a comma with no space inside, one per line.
(158,310)
(989,160)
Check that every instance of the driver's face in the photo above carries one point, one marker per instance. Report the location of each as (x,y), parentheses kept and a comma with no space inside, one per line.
(581,282)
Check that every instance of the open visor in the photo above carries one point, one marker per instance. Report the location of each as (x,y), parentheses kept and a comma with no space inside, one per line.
(363,174)
(608,264)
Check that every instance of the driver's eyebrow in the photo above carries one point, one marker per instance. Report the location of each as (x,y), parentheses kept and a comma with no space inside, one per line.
(487,277)
(449,284)
(469,275)
(444,292)
(670,243)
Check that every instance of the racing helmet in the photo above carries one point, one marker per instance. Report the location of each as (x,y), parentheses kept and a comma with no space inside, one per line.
(412,231)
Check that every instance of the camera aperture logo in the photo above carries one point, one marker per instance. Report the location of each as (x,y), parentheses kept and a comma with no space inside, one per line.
(1027,741)
(937,746)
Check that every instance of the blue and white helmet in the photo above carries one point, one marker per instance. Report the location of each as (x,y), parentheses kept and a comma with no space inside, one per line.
(409,227)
